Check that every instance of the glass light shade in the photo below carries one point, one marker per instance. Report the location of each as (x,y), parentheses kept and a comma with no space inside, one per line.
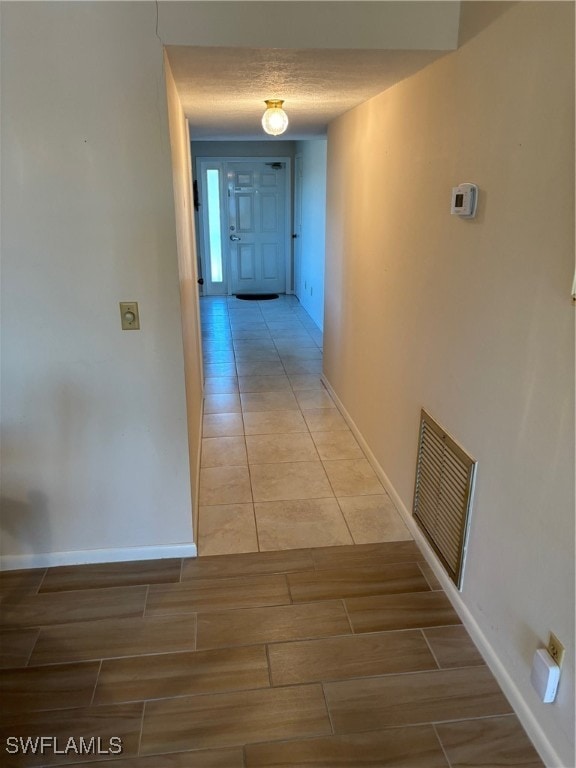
(274,120)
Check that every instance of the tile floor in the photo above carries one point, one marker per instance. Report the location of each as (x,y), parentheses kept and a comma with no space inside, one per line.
(316,654)
(280,469)
(326,657)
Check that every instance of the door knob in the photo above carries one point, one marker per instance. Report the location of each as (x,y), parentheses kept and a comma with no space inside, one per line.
(235,237)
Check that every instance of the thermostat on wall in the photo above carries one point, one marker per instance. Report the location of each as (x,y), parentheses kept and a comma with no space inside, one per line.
(464,200)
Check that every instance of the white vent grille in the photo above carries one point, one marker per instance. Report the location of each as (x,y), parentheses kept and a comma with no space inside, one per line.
(443,494)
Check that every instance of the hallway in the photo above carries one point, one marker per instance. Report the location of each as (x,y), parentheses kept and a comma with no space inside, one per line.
(280,467)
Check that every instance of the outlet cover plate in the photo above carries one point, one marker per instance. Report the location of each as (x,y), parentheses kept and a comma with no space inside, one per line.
(129,316)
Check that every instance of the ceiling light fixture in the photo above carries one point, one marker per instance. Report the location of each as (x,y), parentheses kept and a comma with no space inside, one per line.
(274,120)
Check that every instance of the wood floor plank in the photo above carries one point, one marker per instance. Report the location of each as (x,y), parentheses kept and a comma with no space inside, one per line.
(247,564)
(212,758)
(214,594)
(365,555)
(452,647)
(430,576)
(122,721)
(356,582)
(20,582)
(69,607)
(58,686)
(16,646)
(412,699)
(250,626)
(414,747)
(498,742)
(341,658)
(181,674)
(405,611)
(114,637)
(100,575)
(230,719)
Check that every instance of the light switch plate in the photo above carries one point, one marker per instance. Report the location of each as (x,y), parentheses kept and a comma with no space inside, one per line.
(129,316)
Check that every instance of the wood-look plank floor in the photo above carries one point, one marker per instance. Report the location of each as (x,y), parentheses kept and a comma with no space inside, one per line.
(340,656)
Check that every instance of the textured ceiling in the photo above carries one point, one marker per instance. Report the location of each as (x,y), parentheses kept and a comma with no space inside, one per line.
(223,89)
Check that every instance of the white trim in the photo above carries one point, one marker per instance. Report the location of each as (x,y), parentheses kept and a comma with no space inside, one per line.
(526,716)
(84,556)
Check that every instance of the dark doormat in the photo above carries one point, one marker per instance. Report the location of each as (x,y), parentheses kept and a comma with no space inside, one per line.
(256,296)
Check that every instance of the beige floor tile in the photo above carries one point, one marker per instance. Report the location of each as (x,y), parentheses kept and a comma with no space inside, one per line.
(261,368)
(228,719)
(222,425)
(287,346)
(272,422)
(271,449)
(289,480)
(223,452)
(244,345)
(219,356)
(250,334)
(222,403)
(219,369)
(373,518)
(224,485)
(413,747)
(301,353)
(268,401)
(337,445)
(305,381)
(227,528)
(264,383)
(302,523)
(257,355)
(324,420)
(303,366)
(220,385)
(352,477)
(314,398)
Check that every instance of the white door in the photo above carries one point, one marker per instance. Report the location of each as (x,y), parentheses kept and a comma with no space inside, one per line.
(257,226)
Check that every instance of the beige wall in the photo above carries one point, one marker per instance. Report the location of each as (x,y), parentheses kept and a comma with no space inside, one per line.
(94,437)
(186,241)
(313,236)
(472,319)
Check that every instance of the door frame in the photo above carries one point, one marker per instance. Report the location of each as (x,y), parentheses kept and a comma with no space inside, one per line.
(221,162)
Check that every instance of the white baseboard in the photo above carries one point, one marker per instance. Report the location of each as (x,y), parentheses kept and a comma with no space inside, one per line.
(84,556)
(531,725)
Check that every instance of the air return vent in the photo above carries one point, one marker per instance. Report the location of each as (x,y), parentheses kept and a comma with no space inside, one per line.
(443,494)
